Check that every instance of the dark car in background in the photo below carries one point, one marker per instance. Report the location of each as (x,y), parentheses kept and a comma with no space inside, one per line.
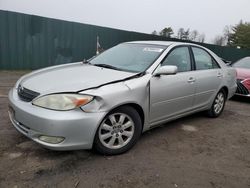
(242,67)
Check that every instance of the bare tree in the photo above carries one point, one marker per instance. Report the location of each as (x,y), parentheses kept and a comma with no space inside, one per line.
(154,32)
(201,38)
(180,33)
(193,35)
(183,34)
(219,40)
(227,32)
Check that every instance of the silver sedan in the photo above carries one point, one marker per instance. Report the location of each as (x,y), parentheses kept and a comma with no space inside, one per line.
(107,102)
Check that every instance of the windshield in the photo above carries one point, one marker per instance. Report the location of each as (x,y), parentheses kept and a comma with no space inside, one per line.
(129,57)
(243,63)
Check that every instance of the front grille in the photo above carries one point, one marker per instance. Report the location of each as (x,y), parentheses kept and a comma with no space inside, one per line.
(26,94)
(241,89)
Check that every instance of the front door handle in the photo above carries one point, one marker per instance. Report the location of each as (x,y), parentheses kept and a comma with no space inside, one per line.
(191,80)
(219,75)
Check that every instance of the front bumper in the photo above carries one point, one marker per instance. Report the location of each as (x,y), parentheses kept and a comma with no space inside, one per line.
(76,127)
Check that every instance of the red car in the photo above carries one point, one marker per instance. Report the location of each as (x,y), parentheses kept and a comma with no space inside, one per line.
(242,67)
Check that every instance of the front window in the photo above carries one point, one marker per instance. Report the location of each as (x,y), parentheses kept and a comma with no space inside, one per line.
(243,63)
(129,57)
(179,57)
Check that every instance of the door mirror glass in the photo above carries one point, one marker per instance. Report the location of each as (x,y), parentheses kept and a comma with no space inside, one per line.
(166,70)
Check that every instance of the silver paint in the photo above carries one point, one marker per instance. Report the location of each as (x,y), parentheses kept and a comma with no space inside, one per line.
(161,98)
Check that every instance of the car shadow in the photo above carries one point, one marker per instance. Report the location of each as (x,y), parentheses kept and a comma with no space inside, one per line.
(241,99)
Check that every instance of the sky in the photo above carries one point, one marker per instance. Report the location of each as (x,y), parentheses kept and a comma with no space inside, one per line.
(208,17)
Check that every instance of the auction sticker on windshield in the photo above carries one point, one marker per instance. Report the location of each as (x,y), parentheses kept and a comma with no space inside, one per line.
(153,49)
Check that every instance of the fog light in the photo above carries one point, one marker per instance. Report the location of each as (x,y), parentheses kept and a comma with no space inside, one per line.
(51,139)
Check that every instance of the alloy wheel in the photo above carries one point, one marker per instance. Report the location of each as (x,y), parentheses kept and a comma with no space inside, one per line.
(116,130)
(219,102)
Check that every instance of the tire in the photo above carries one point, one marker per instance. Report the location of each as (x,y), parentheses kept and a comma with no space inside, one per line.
(218,105)
(118,132)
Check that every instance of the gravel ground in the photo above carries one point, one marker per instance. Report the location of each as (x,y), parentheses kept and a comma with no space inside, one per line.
(191,152)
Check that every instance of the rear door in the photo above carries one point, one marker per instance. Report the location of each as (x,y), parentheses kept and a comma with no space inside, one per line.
(208,76)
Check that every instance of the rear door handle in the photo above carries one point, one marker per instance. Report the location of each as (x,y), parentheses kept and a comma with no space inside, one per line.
(191,80)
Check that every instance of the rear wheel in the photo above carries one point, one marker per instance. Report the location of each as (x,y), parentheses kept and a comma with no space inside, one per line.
(119,131)
(218,104)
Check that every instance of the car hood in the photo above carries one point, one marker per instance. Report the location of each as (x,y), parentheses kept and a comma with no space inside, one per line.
(71,78)
(243,73)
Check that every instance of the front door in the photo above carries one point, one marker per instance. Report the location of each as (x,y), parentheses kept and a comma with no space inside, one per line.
(172,95)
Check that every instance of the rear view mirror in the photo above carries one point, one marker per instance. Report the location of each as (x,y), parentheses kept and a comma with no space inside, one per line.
(166,70)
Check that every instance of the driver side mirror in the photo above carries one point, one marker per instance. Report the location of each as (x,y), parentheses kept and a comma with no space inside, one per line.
(166,70)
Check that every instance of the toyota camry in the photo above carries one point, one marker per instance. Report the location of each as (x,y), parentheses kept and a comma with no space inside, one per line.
(107,102)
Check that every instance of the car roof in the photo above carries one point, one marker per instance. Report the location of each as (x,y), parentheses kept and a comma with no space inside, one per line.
(247,57)
(162,43)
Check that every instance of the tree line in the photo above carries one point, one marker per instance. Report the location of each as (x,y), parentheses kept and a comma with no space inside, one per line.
(235,36)
(183,34)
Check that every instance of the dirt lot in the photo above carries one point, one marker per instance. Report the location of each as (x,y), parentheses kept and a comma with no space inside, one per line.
(195,151)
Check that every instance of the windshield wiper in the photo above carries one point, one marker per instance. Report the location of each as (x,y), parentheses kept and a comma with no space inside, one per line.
(107,66)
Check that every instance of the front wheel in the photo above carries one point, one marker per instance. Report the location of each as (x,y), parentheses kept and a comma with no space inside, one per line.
(118,132)
(218,104)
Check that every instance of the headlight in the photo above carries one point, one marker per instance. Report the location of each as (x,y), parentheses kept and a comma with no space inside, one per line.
(62,101)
